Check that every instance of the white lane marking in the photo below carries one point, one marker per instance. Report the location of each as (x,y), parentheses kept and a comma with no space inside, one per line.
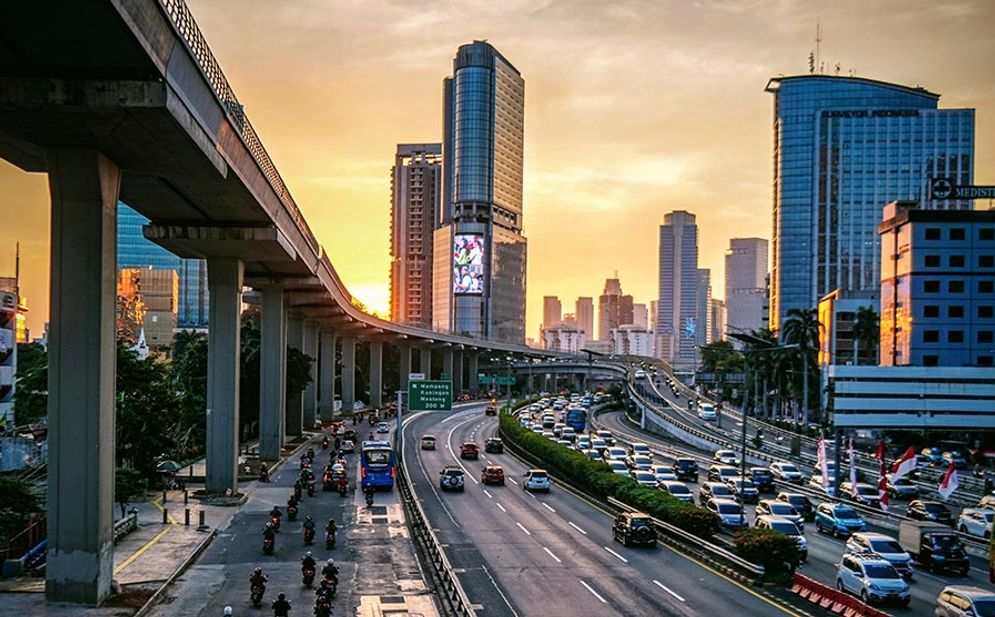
(594,593)
(512,480)
(503,597)
(547,507)
(622,559)
(527,532)
(577,528)
(488,493)
(667,589)
(552,555)
(500,507)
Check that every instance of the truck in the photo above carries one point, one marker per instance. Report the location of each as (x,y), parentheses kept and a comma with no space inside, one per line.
(937,547)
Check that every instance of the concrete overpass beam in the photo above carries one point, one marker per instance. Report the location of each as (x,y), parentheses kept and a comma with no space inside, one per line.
(273,373)
(224,352)
(376,374)
(84,187)
(473,368)
(326,374)
(295,401)
(348,373)
(311,391)
(404,366)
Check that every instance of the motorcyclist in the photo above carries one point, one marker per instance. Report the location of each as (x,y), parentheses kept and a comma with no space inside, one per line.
(263,472)
(369,495)
(227,612)
(297,489)
(307,561)
(269,533)
(281,607)
(330,527)
(330,571)
(310,454)
(258,579)
(276,514)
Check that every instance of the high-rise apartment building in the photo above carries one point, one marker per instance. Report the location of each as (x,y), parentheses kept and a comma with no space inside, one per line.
(640,316)
(563,338)
(654,304)
(703,319)
(719,320)
(479,251)
(614,309)
(416,187)
(746,271)
(677,307)
(147,300)
(552,312)
(631,340)
(584,310)
(843,147)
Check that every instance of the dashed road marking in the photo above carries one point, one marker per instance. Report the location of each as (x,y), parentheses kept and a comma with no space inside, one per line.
(552,555)
(512,480)
(500,507)
(577,528)
(667,589)
(594,593)
(622,559)
(547,507)
(527,532)
(488,493)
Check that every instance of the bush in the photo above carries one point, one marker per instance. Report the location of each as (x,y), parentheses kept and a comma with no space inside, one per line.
(776,552)
(598,480)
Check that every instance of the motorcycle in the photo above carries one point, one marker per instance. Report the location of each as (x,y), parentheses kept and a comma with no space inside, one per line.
(369,499)
(324,443)
(329,540)
(256,595)
(343,486)
(308,535)
(275,520)
(322,607)
(297,492)
(263,475)
(308,576)
(268,544)
(310,488)
(291,513)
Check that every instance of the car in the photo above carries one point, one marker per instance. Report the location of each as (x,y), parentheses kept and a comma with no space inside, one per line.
(549,435)
(618,467)
(634,528)
(762,477)
(640,374)
(583,442)
(383,427)
(644,478)
(638,461)
(923,510)
(955,458)
(883,546)
(492,474)
(785,526)
(815,483)
(838,519)
(976,522)
(685,469)
(965,601)
(721,473)
(865,494)
(469,449)
(427,442)
(536,480)
(706,411)
(872,579)
(744,489)
(494,445)
(726,457)
(730,513)
(786,472)
(600,445)
(451,479)
(490,410)
(615,453)
(987,502)
(348,446)
(641,448)
(558,429)
(537,429)
(780,509)
(591,454)
(568,434)
(678,490)
(662,472)
(933,455)
(902,489)
(799,502)
(606,436)
(715,490)
(525,422)
(566,443)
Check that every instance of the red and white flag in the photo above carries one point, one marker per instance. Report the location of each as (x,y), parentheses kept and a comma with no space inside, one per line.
(949,483)
(882,477)
(905,465)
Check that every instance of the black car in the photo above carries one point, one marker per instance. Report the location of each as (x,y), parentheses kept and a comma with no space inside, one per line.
(762,477)
(634,528)
(451,479)
(801,503)
(494,445)
(922,510)
(686,469)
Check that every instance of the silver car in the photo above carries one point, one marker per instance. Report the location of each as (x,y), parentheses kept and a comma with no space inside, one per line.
(976,522)
(872,579)
(884,547)
(965,601)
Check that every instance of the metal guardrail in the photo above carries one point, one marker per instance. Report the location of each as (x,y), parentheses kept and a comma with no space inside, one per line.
(451,591)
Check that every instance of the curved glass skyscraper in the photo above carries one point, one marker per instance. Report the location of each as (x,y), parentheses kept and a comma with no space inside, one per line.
(479,251)
(843,148)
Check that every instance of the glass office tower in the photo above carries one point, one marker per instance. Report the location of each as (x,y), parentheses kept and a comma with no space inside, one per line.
(844,147)
(479,251)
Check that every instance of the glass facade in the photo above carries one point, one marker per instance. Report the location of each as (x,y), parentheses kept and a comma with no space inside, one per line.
(844,147)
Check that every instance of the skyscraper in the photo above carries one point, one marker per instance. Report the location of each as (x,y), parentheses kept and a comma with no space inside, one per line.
(416,186)
(552,312)
(703,317)
(584,310)
(844,147)
(677,306)
(479,251)
(614,309)
(718,321)
(746,270)
(640,316)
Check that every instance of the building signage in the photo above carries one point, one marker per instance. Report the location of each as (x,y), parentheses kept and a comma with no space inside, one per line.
(871,113)
(944,188)
(430,395)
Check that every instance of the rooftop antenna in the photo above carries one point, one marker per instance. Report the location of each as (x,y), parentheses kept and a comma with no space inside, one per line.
(818,45)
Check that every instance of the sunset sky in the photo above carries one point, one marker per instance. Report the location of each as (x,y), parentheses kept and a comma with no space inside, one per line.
(633,109)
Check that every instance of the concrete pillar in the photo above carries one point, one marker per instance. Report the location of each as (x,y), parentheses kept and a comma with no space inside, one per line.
(326,374)
(311,391)
(425,361)
(82,364)
(224,351)
(376,373)
(272,373)
(457,372)
(348,373)
(447,364)
(404,366)
(295,401)
(473,368)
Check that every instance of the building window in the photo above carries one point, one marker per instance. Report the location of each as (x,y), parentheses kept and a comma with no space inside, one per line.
(986,233)
(956,261)
(931,310)
(932,261)
(984,360)
(955,287)
(985,311)
(956,233)
(932,233)
(956,311)
(955,336)
(985,287)
(986,336)
(986,261)
(930,360)
(930,336)
(931,287)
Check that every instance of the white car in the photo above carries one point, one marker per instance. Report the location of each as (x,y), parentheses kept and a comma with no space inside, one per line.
(640,374)
(816,483)
(726,457)
(976,522)
(706,411)
(616,454)
(786,472)
(383,427)
(663,473)
(644,478)
(536,480)
(641,448)
(618,467)
(884,547)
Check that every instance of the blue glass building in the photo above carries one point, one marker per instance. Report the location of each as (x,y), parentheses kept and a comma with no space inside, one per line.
(135,251)
(843,148)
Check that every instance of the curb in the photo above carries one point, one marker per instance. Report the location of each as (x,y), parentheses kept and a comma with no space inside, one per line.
(152,601)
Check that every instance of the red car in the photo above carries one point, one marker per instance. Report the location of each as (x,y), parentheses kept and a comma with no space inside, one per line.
(469,450)
(490,410)
(492,474)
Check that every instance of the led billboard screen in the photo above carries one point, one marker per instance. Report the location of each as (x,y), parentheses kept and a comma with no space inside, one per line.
(468,264)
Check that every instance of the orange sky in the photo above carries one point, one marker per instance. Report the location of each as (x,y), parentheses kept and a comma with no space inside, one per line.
(633,109)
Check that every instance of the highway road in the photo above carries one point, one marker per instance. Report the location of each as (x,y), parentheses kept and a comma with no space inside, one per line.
(824,551)
(552,554)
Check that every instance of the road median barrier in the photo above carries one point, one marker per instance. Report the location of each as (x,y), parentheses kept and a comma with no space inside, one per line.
(833,600)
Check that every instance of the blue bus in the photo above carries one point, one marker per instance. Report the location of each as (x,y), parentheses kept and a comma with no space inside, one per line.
(377,466)
(577,419)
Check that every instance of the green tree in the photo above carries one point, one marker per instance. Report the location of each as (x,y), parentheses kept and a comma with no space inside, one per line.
(31,392)
(866,331)
(20,501)
(148,410)
(188,372)
(127,483)
(802,328)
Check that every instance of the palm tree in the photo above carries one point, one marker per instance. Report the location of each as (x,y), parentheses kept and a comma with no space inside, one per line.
(801,328)
(866,330)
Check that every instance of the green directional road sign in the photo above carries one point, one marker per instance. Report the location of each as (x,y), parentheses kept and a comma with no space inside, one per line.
(430,395)
(500,380)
